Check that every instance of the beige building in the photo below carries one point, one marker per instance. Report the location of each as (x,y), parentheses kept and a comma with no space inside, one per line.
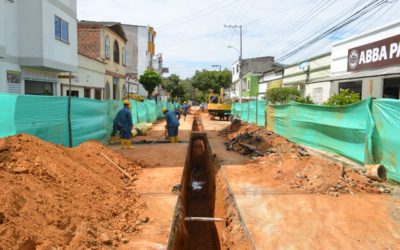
(88,81)
(308,77)
(101,43)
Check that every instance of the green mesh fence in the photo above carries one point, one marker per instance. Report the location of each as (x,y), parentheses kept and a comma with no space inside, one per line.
(252,112)
(343,130)
(47,117)
(385,136)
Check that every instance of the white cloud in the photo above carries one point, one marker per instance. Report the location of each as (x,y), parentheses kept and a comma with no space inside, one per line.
(191,34)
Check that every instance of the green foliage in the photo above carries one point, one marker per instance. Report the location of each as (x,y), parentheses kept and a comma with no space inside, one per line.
(174,87)
(305,100)
(282,95)
(212,80)
(150,79)
(344,97)
(189,90)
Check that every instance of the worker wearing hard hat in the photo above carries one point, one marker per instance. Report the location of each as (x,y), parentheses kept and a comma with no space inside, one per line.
(172,118)
(124,119)
(185,110)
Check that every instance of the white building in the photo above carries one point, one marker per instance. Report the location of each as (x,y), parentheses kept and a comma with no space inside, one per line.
(310,77)
(257,65)
(369,63)
(38,40)
(88,82)
(271,79)
(140,52)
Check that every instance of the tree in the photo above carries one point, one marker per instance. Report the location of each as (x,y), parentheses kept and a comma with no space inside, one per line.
(344,97)
(212,80)
(189,91)
(282,95)
(150,80)
(174,87)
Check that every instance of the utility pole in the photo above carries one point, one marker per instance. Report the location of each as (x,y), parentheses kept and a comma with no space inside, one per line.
(236,27)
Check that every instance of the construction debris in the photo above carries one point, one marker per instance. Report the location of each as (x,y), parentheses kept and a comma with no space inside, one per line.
(291,167)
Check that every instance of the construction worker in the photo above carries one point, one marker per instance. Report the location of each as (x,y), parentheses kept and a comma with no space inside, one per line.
(172,118)
(124,119)
(202,107)
(185,109)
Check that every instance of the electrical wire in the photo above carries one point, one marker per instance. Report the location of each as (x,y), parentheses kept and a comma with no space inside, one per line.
(370,6)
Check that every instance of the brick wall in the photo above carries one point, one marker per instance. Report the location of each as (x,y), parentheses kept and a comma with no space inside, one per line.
(89,43)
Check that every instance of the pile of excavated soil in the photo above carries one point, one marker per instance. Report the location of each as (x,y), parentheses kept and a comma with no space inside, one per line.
(55,198)
(287,166)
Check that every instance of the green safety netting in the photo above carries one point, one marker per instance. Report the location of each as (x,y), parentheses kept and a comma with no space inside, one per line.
(252,112)
(151,108)
(260,113)
(385,137)
(7,112)
(47,117)
(42,116)
(345,130)
(89,120)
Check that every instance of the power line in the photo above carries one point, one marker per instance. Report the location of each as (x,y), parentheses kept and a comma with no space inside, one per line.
(195,15)
(352,18)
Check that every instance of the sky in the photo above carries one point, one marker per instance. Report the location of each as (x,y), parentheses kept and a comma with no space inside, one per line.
(191,34)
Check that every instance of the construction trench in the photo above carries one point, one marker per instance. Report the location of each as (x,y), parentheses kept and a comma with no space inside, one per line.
(206,214)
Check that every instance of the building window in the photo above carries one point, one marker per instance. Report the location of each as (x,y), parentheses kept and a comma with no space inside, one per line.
(354,86)
(61,29)
(107,47)
(237,68)
(115,88)
(123,56)
(391,88)
(116,52)
(74,93)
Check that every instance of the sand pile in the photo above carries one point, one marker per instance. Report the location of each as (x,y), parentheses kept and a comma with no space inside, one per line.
(290,167)
(58,198)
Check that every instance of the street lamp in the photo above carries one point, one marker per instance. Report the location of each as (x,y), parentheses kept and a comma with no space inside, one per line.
(235,28)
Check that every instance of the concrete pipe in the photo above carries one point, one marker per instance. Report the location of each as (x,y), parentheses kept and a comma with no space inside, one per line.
(376,172)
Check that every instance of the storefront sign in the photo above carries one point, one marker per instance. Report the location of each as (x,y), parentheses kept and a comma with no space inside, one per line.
(13,82)
(39,75)
(13,76)
(379,54)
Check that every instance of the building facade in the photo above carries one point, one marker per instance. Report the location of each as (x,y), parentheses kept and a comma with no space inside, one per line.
(38,40)
(88,81)
(310,77)
(256,66)
(105,42)
(140,50)
(368,63)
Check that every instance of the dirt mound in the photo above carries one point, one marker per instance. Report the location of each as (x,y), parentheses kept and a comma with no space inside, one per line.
(54,197)
(290,167)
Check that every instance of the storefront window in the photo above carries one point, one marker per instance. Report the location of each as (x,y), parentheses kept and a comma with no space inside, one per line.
(354,86)
(38,88)
(391,88)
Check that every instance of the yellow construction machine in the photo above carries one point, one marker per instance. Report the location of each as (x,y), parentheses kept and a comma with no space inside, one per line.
(216,106)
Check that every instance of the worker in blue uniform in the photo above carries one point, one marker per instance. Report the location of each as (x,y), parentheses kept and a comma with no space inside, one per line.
(185,109)
(172,118)
(124,120)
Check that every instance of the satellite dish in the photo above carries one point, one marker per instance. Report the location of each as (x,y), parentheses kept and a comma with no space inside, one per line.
(304,66)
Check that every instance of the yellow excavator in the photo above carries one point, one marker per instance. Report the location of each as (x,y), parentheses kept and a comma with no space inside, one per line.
(216,106)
